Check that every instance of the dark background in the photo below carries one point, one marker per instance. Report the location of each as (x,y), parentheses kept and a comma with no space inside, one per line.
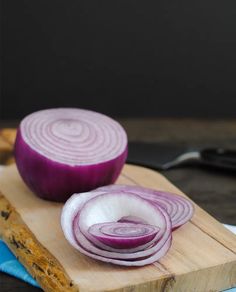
(123,58)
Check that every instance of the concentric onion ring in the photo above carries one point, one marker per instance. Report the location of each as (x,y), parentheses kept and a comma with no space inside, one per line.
(66,150)
(179,209)
(84,211)
(89,222)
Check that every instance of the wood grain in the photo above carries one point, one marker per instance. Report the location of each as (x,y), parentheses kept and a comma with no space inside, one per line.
(202,257)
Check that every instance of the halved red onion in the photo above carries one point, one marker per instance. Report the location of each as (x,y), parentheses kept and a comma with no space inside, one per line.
(66,150)
(84,211)
(179,209)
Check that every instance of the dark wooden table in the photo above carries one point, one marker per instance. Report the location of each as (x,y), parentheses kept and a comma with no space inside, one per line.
(213,190)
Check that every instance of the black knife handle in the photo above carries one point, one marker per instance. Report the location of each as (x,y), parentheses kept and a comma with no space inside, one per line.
(219,157)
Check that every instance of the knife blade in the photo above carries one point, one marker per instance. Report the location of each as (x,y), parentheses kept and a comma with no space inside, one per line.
(164,157)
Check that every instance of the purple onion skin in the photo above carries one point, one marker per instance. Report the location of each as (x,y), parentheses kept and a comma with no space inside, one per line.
(56,181)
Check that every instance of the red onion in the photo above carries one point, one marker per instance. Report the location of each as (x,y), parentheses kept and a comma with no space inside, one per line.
(123,235)
(179,209)
(132,219)
(124,225)
(82,212)
(66,150)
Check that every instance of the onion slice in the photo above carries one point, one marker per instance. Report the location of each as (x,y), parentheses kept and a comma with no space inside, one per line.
(132,219)
(87,211)
(124,225)
(115,206)
(179,208)
(123,235)
(62,151)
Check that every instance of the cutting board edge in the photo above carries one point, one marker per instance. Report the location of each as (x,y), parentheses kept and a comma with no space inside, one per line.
(30,252)
(180,283)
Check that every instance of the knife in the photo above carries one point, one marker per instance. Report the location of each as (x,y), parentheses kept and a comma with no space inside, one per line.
(164,157)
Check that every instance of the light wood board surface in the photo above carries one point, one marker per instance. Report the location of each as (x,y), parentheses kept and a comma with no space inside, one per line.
(202,256)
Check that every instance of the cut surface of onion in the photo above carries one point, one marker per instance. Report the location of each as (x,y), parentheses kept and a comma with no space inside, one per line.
(62,151)
(179,209)
(93,223)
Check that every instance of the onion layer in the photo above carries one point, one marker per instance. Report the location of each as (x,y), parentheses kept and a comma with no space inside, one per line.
(123,235)
(179,209)
(124,225)
(62,151)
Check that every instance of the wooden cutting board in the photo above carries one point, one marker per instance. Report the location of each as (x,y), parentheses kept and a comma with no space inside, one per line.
(202,257)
